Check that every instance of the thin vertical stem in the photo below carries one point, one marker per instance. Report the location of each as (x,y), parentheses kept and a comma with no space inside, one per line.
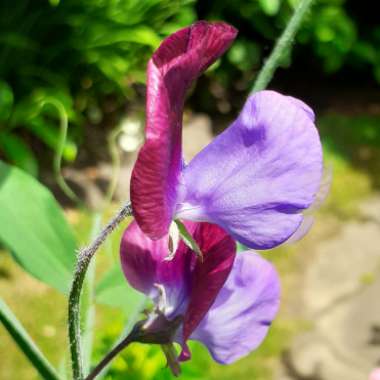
(84,259)
(57,163)
(88,306)
(282,45)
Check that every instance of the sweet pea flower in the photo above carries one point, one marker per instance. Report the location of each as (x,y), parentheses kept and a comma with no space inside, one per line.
(254,180)
(226,301)
(375,374)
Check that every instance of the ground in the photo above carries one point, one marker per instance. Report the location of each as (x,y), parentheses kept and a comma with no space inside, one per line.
(339,296)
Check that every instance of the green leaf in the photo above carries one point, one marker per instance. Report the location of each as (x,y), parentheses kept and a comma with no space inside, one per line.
(141,35)
(34,228)
(270,7)
(25,343)
(293,3)
(6,101)
(188,239)
(113,290)
(17,152)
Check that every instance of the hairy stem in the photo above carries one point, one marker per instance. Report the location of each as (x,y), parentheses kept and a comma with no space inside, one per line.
(84,259)
(87,301)
(108,358)
(282,45)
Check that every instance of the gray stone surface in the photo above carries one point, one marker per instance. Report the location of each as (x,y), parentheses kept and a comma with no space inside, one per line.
(370,209)
(341,265)
(197,133)
(341,297)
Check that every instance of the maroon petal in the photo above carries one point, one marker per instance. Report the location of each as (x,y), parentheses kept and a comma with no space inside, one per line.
(139,257)
(179,60)
(208,276)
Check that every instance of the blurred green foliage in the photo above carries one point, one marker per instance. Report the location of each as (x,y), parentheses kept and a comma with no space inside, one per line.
(49,236)
(352,147)
(337,34)
(90,56)
(85,54)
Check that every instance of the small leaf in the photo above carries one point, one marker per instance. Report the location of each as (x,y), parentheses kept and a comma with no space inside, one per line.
(34,228)
(172,358)
(140,35)
(270,7)
(188,239)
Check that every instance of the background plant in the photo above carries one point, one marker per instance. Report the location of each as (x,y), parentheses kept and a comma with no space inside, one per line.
(87,55)
(90,56)
(339,34)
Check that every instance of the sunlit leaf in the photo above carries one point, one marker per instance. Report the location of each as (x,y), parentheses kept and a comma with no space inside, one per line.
(141,35)
(17,152)
(188,239)
(270,7)
(34,228)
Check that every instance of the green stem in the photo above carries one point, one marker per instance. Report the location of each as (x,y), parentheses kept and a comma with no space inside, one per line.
(115,159)
(84,259)
(126,331)
(171,358)
(109,357)
(282,45)
(57,163)
(88,310)
(81,364)
(26,344)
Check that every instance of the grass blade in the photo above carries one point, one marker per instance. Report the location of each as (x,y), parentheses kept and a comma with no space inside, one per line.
(25,343)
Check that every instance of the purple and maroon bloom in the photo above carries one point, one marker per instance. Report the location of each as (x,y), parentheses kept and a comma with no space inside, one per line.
(226,301)
(254,180)
(375,374)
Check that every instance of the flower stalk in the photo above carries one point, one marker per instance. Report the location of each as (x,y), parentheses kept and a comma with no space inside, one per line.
(156,331)
(282,45)
(84,259)
(108,358)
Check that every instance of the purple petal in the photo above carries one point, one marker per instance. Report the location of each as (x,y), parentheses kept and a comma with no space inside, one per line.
(240,317)
(256,178)
(190,285)
(308,219)
(302,230)
(179,60)
(324,188)
(299,103)
(144,266)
